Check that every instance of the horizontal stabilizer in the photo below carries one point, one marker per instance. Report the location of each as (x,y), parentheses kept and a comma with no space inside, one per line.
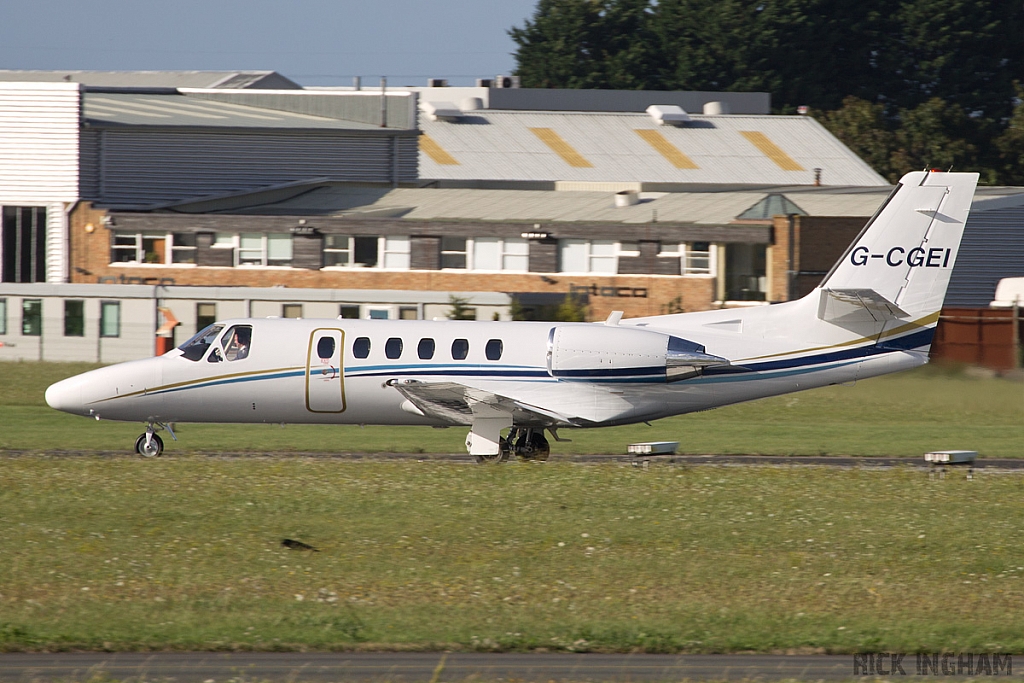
(843,306)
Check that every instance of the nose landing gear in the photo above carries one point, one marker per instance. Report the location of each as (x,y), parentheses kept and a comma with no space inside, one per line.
(150,445)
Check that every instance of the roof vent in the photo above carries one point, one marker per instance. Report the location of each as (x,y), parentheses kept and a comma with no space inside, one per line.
(626,198)
(471,104)
(668,115)
(484,82)
(441,111)
(506,82)
(716,108)
(437,82)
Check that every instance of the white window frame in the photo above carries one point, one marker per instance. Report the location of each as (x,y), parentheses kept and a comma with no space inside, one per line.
(140,252)
(686,252)
(467,254)
(264,248)
(391,247)
(590,256)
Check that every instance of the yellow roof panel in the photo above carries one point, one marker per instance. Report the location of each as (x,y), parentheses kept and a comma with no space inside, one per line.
(771,150)
(562,148)
(436,152)
(666,149)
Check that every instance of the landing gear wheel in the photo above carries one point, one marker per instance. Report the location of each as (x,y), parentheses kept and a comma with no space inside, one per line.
(503,454)
(538,449)
(152,450)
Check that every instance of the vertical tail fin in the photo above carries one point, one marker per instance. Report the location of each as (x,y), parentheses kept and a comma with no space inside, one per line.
(904,256)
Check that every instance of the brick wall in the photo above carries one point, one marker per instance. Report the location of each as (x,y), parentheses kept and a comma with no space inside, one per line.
(819,240)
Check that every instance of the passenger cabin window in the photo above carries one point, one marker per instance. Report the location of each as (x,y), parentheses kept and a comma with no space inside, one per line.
(237,342)
(425,350)
(393,348)
(460,349)
(361,347)
(493,349)
(325,348)
(195,348)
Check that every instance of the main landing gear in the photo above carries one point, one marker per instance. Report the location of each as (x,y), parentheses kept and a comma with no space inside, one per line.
(523,442)
(149,444)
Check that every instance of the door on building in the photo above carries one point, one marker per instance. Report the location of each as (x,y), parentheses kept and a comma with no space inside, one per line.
(325,371)
(23,243)
(745,272)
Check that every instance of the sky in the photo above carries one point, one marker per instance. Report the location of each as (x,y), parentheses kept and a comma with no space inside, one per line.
(314,42)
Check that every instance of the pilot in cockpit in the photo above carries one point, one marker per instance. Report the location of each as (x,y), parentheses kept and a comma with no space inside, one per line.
(238,347)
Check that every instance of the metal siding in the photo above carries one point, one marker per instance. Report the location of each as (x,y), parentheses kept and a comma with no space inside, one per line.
(89,162)
(498,145)
(992,248)
(39,126)
(142,167)
(358,106)
(56,243)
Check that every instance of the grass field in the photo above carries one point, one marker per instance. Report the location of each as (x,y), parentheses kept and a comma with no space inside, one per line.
(905,414)
(121,553)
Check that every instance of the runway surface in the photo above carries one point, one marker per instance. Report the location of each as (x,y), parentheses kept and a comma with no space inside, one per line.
(435,667)
(727,460)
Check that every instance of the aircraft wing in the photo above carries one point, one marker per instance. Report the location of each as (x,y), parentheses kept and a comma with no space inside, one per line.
(458,404)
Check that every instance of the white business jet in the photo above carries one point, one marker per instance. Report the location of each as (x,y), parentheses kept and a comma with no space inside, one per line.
(873,314)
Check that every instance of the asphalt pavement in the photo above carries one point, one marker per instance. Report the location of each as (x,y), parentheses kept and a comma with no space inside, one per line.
(400,667)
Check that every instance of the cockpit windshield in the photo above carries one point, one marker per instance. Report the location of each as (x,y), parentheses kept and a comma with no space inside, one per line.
(195,348)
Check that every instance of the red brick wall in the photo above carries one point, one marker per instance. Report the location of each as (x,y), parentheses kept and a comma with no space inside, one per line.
(90,261)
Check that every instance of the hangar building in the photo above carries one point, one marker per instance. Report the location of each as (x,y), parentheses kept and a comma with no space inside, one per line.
(190,192)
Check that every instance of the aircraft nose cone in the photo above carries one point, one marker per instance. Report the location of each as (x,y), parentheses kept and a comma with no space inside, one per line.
(65,395)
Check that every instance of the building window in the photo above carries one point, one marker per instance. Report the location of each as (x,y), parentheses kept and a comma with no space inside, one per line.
(74,318)
(361,347)
(588,256)
(491,253)
(291,311)
(110,319)
(453,253)
(206,315)
(3,316)
(344,251)
(23,244)
(31,317)
(365,252)
(379,314)
(183,247)
(745,268)
(408,313)
(349,312)
(397,253)
(262,249)
(697,258)
(151,248)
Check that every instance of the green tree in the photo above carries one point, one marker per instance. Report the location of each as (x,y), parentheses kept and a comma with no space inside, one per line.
(584,44)
(1010,145)
(933,135)
(460,308)
(863,127)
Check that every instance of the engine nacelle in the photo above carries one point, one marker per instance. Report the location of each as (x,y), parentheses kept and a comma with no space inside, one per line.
(609,353)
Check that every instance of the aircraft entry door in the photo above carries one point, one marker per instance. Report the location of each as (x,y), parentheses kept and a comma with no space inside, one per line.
(325,371)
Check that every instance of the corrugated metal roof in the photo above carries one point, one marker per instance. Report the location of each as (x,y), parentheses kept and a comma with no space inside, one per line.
(713,208)
(138,109)
(501,145)
(156,79)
